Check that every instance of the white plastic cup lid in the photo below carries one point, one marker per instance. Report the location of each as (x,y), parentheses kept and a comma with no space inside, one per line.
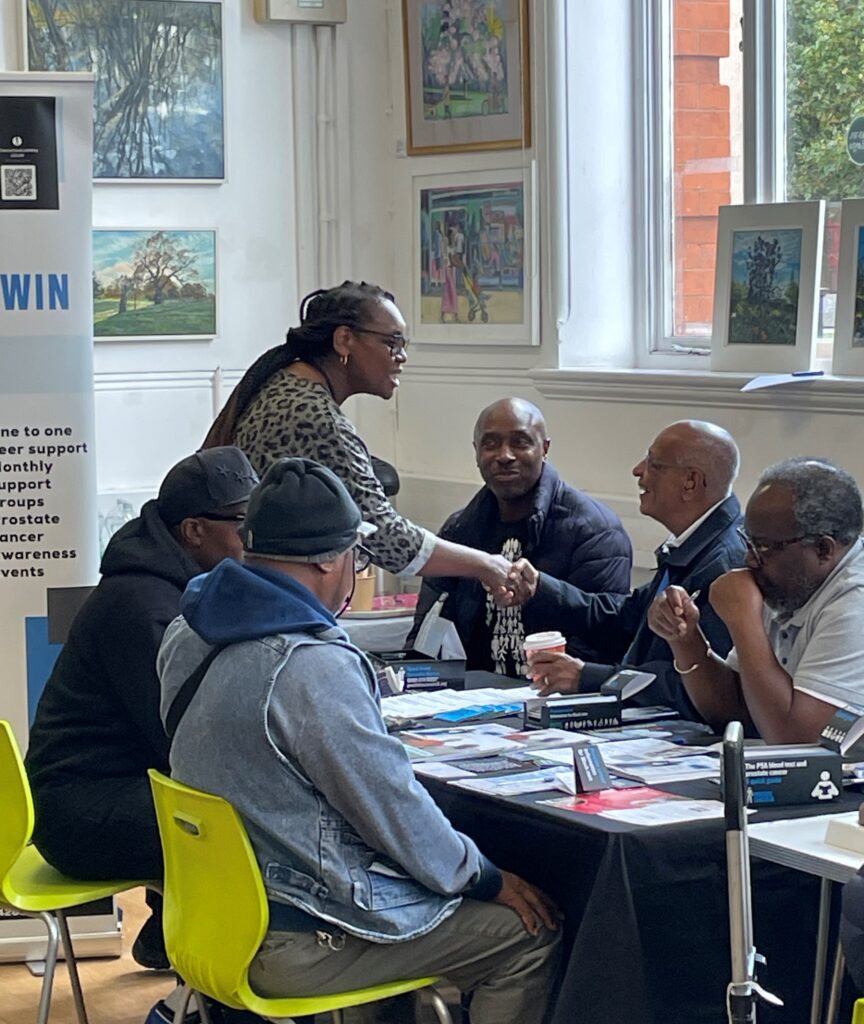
(545,641)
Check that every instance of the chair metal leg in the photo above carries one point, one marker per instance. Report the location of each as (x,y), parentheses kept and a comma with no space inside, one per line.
(72,968)
(183,1006)
(836,985)
(336,1016)
(442,1011)
(50,923)
(203,1008)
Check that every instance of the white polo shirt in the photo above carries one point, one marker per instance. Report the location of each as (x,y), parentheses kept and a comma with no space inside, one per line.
(821,645)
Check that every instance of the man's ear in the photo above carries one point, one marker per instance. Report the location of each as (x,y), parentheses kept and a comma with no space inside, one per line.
(191,533)
(546,442)
(694,483)
(825,547)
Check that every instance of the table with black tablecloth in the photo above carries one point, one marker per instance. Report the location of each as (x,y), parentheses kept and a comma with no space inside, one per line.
(647,928)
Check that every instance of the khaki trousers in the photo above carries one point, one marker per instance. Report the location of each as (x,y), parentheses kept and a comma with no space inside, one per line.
(482,949)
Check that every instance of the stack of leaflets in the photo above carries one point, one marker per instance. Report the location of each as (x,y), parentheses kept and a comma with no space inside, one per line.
(469,741)
(657,761)
(461,704)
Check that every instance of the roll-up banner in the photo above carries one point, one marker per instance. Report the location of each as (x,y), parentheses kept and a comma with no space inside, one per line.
(48,515)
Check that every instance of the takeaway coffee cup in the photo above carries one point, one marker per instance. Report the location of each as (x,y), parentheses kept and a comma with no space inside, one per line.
(550,641)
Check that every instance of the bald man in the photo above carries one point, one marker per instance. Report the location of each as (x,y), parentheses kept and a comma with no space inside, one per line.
(523,510)
(685,482)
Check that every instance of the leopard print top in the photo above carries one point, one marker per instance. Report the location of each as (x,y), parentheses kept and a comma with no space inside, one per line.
(291,416)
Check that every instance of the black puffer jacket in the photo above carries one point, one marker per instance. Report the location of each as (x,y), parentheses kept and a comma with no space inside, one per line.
(98,717)
(569,536)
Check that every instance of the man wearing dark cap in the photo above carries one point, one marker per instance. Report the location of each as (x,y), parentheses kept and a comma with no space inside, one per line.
(366,879)
(97,728)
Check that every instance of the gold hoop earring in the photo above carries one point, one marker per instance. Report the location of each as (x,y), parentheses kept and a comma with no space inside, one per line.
(343,360)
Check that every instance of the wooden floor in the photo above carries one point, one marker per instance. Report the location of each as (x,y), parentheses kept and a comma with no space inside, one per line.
(116,991)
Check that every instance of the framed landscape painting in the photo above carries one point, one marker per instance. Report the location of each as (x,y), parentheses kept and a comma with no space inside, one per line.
(151,284)
(848,357)
(765,286)
(158,99)
(466,75)
(475,258)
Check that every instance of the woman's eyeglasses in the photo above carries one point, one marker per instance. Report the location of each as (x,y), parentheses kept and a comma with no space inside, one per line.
(395,342)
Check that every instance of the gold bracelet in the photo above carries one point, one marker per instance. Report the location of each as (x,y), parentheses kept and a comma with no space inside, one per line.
(684,671)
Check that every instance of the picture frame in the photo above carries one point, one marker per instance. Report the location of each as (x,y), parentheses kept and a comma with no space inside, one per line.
(848,352)
(475,258)
(766,287)
(158,105)
(467,82)
(155,284)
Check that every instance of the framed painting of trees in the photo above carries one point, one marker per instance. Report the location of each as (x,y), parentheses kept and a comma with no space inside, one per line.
(158,98)
(153,284)
(466,75)
(766,286)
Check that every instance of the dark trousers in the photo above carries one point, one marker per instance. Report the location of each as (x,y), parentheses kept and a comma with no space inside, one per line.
(99,830)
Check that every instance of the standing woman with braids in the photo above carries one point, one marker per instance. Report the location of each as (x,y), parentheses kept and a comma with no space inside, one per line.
(351,341)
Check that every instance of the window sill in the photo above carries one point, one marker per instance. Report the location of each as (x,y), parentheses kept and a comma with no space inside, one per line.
(699,389)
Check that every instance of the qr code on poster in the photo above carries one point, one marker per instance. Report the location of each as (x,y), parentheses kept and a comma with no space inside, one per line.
(18,183)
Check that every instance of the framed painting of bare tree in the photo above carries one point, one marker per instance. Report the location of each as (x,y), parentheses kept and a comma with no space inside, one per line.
(158,99)
(466,75)
(150,284)
(765,286)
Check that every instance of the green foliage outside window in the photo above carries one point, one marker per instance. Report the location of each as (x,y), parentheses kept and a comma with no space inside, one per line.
(825,93)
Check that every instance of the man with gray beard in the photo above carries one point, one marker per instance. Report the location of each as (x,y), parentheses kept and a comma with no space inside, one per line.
(795,613)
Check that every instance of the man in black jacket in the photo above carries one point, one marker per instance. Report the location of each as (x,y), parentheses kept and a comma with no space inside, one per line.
(685,483)
(97,728)
(524,510)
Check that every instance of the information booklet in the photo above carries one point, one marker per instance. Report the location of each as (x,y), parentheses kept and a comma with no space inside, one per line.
(640,805)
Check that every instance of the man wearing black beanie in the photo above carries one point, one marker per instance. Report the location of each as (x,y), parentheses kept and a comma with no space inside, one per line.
(366,879)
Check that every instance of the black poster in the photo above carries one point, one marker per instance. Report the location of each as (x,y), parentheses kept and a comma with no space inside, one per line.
(28,153)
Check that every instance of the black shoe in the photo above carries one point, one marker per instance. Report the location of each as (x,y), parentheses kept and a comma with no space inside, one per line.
(148,950)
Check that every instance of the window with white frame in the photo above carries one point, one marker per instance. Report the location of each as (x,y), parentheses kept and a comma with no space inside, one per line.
(747,101)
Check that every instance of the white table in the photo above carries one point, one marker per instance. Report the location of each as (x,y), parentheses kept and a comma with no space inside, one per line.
(800,843)
(385,633)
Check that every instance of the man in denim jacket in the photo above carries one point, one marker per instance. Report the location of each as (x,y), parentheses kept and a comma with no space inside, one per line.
(367,880)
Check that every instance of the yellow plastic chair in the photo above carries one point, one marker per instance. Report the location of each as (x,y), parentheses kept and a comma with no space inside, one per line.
(858,1012)
(31,886)
(215,911)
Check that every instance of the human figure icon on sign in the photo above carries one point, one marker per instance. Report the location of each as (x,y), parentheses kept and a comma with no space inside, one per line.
(825,788)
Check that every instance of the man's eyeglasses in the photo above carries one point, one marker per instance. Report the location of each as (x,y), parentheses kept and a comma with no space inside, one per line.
(395,342)
(766,547)
(362,558)
(237,517)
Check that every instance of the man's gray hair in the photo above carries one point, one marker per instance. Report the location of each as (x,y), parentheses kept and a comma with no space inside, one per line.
(827,499)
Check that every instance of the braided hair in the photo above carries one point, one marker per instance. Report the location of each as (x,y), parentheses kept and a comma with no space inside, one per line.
(321,312)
